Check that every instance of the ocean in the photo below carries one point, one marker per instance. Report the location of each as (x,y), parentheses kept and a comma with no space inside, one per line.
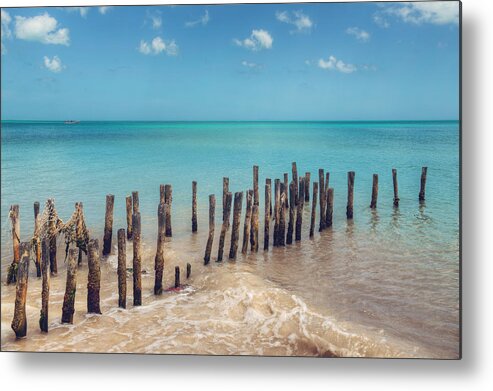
(385,284)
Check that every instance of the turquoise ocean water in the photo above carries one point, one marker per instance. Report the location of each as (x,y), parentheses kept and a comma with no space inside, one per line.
(417,302)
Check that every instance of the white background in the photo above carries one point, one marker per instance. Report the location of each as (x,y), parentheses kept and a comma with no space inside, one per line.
(474,372)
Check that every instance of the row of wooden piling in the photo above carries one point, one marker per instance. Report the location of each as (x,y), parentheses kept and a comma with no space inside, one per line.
(19,321)
(22,252)
(290,196)
(287,197)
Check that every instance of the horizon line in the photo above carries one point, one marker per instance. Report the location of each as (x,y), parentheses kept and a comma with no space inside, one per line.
(241,120)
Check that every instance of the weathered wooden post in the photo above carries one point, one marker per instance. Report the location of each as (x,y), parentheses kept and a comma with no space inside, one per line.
(194,206)
(37,242)
(286,185)
(79,231)
(162,194)
(159,259)
(277,210)
(282,218)
(268,181)
(128,204)
(225,192)
(396,189)
(16,234)
(93,278)
(256,201)
(323,207)
(70,288)
(314,208)
(292,200)
(267,215)
(307,186)
(135,203)
(177,277)
(330,206)
(225,226)
(254,230)
(210,239)
(424,171)
(108,224)
(374,192)
(19,322)
(294,171)
(137,259)
(168,199)
(248,221)
(299,212)
(52,234)
(301,180)
(327,178)
(235,234)
(122,269)
(45,286)
(189,270)
(350,195)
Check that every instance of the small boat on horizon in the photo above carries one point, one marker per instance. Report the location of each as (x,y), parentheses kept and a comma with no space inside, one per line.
(71,122)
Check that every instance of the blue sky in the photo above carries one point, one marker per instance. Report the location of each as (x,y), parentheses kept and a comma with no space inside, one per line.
(333,61)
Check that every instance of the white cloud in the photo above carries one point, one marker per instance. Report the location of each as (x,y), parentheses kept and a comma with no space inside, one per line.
(158,46)
(144,47)
(298,19)
(338,65)
(83,11)
(203,20)
(5,29)
(380,21)
(359,34)
(54,65)
(259,39)
(41,28)
(434,12)
(104,10)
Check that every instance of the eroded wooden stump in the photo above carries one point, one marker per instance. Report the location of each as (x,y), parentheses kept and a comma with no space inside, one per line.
(374,192)
(210,239)
(108,224)
(93,278)
(350,194)
(314,209)
(68,308)
(45,286)
(235,231)
(19,322)
(225,226)
(137,260)
(122,269)
(194,206)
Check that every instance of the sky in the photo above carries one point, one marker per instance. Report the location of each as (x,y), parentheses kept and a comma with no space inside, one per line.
(328,61)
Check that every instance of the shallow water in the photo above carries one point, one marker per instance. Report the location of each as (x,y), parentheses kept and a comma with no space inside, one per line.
(385,284)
